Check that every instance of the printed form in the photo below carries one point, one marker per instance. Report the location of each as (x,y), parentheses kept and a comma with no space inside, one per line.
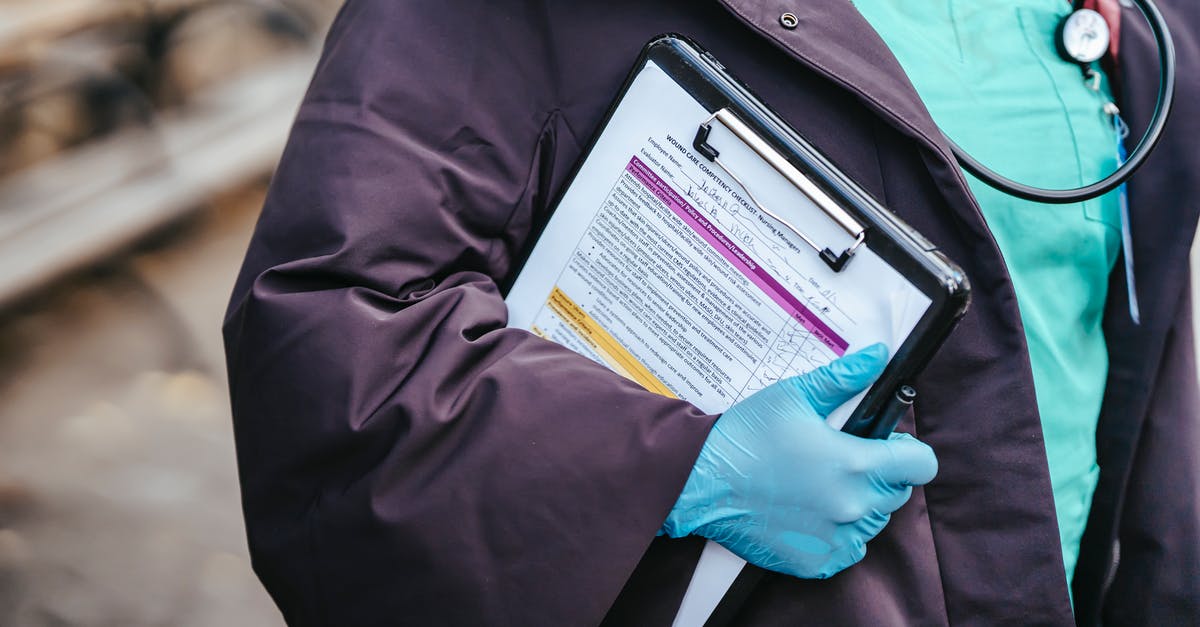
(660,266)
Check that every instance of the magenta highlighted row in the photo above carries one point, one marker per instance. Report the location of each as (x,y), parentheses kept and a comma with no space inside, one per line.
(736,256)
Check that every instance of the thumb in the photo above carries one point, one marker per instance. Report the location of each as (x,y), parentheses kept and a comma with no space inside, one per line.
(827,387)
(912,461)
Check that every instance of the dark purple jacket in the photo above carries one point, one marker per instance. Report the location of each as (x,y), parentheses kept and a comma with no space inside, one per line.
(406,459)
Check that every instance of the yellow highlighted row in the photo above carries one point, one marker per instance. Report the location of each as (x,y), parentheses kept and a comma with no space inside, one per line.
(610,350)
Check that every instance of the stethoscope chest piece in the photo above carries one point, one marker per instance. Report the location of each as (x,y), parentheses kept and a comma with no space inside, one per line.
(1083,36)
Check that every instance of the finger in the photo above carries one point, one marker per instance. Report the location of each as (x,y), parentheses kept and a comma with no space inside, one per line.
(845,556)
(827,387)
(911,461)
(871,525)
(891,498)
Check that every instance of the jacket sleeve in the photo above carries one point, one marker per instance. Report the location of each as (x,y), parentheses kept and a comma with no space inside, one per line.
(1157,581)
(405,458)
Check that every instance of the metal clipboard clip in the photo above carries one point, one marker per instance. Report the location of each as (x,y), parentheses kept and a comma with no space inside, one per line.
(795,177)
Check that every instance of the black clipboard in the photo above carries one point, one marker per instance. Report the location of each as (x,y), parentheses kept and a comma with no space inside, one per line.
(733,104)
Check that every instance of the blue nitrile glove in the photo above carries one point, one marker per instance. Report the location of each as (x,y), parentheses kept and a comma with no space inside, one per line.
(784,491)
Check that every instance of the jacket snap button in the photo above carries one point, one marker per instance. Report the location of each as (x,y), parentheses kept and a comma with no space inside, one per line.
(789,20)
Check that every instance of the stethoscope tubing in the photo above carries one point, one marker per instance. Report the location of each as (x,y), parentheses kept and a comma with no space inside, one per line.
(1162,111)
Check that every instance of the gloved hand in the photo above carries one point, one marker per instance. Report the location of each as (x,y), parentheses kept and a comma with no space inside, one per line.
(784,491)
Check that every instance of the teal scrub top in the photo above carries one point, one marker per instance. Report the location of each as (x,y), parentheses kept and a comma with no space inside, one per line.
(991,78)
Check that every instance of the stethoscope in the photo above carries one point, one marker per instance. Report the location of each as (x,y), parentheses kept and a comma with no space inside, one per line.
(1083,38)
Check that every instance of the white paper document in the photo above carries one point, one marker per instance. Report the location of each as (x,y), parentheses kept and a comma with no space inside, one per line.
(659,265)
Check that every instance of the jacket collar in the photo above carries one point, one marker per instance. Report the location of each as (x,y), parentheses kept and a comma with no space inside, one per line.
(833,39)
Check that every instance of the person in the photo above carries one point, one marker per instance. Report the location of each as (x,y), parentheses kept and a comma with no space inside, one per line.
(405,458)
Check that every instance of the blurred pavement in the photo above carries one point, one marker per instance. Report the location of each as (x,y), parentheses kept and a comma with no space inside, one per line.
(118,491)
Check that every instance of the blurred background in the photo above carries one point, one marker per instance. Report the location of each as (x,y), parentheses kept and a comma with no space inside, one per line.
(136,141)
